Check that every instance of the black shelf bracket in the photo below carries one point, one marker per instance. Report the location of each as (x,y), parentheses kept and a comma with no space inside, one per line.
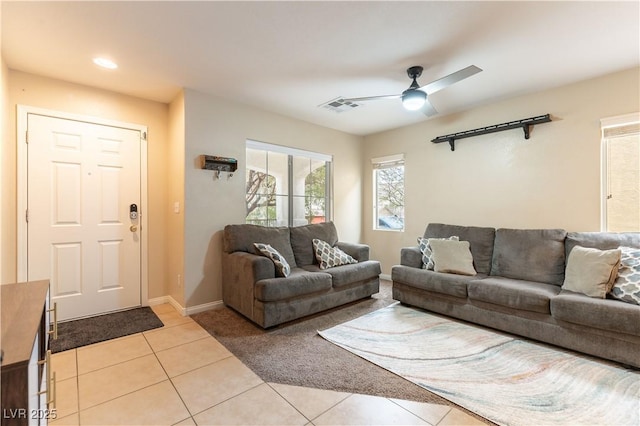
(525,124)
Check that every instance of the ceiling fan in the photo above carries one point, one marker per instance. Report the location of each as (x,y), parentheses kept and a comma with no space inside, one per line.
(416,97)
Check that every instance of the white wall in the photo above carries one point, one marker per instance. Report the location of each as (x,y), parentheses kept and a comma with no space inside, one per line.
(551,180)
(219,127)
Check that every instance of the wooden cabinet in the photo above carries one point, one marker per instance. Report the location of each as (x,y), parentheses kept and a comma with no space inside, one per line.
(26,386)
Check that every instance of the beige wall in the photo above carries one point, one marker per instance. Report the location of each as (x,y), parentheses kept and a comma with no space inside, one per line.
(174,230)
(220,127)
(4,134)
(31,90)
(501,179)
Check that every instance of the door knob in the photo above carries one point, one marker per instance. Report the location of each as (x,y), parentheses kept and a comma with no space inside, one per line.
(133,228)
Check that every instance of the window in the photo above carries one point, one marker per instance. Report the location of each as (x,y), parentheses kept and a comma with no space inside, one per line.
(286,186)
(621,173)
(388,192)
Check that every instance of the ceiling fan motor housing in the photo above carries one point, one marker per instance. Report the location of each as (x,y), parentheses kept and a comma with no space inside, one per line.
(414,72)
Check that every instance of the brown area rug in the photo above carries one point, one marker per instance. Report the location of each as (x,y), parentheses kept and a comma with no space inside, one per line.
(294,353)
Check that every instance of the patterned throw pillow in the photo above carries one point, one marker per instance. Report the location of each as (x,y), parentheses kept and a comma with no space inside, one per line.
(627,285)
(282,266)
(427,253)
(328,256)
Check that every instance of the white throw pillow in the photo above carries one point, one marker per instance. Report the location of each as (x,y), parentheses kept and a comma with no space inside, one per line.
(627,285)
(328,256)
(427,253)
(282,266)
(591,271)
(452,256)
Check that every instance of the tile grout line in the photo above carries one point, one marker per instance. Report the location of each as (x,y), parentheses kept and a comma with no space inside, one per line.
(323,412)
(170,380)
(420,417)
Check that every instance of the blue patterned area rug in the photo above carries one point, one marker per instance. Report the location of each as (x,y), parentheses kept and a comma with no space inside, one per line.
(508,380)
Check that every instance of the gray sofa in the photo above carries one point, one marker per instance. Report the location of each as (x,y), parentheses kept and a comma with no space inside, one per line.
(517,289)
(251,287)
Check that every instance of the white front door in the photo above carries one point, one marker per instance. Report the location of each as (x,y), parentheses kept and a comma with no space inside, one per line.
(82,182)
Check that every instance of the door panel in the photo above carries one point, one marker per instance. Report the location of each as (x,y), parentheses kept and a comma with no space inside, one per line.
(81,179)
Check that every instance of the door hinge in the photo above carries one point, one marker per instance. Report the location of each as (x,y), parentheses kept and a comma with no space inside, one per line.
(26,137)
(144,136)
(26,215)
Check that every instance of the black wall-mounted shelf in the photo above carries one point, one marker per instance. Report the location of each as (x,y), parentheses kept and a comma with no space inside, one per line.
(525,124)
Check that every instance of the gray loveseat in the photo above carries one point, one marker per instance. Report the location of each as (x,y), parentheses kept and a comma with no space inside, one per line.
(251,286)
(517,289)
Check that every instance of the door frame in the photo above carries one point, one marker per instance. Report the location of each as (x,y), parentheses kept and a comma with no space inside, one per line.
(21,186)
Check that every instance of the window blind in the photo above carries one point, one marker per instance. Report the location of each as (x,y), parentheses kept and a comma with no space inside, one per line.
(388,161)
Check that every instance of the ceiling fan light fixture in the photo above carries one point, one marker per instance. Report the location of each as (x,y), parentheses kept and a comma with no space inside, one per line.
(413,99)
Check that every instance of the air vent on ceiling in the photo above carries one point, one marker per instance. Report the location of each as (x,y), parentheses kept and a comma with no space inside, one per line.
(339,105)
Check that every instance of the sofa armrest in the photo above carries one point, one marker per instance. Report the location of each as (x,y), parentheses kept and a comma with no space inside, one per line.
(359,252)
(411,256)
(240,272)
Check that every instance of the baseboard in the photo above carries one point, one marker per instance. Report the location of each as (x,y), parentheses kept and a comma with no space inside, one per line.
(385,277)
(181,309)
(204,307)
(170,300)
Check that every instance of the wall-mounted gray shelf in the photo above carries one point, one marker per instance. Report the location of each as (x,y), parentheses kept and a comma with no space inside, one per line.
(525,124)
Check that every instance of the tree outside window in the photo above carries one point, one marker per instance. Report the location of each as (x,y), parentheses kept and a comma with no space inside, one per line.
(388,180)
(286,186)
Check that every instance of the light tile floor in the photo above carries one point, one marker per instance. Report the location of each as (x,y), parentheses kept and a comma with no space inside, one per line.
(180,375)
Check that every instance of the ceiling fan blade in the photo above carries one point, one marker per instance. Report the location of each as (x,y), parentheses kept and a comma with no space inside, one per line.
(428,109)
(371,98)
(440,84)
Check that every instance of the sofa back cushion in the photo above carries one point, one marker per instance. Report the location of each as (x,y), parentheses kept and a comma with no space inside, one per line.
(601,240)
(530,254)
(242,237)
(480,241)
(302,240)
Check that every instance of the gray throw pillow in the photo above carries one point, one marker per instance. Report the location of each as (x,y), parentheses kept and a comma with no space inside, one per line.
(282,266)
(627,286)
(328,256)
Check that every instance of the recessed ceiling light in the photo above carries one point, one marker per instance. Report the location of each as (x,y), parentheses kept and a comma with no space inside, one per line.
(105,63)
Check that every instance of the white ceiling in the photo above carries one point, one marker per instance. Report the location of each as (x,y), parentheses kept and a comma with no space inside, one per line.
(290,57)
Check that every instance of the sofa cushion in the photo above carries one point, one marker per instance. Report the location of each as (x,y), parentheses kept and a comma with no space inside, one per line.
(452,256)
(480,240)
(302,240)
(298,283)
(601,240)
(349,274)
(282,267)
(591,271)
(627,285)
(437,282)
(241,238)
(516,294)
(330,257)
(605,314)
(530,254)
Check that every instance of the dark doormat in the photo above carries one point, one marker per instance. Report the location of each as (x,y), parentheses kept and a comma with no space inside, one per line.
(86,331)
